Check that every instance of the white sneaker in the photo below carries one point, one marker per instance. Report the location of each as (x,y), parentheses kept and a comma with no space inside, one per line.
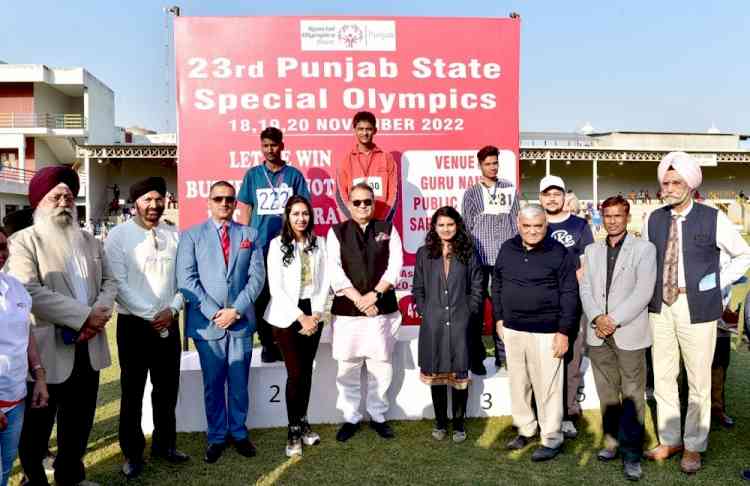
(568,430)
(294,448)
(459,436)
(439,434)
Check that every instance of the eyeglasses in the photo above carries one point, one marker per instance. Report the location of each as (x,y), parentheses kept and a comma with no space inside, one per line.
(358,202)
(56,198)
(220,199)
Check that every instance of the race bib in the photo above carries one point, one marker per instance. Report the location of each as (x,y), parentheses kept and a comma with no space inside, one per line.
(498,202)
(376,183)
(273,201)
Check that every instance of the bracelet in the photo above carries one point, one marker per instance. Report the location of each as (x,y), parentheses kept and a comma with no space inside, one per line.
(36,368)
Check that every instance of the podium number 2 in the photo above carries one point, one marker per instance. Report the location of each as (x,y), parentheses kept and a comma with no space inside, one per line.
(275,397)
(486,401)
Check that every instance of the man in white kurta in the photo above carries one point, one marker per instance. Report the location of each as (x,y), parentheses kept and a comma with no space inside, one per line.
(365,259)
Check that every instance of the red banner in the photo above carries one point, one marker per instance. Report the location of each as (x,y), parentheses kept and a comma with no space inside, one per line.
(441,88)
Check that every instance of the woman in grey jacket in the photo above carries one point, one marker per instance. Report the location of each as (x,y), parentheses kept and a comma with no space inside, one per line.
(447,290)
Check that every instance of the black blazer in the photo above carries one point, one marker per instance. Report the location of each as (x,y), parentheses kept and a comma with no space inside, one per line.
(446,307)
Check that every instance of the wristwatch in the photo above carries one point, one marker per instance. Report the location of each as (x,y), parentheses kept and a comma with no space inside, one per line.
(379,295)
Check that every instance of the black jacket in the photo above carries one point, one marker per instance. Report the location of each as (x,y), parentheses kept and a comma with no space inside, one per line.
(446,306)
(535,290)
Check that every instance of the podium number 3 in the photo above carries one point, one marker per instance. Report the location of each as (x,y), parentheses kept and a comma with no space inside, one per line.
(486,401)
(275,397)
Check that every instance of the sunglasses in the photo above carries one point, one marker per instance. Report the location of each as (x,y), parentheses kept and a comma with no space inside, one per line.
(220,199)
(365,202)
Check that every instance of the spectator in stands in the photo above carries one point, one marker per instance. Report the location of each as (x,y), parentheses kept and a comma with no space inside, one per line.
(299,286)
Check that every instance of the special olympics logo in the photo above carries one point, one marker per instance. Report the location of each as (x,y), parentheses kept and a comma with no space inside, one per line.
(350,35)
(563,237)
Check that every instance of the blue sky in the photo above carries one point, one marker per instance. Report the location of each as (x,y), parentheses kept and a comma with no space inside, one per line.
(637,65)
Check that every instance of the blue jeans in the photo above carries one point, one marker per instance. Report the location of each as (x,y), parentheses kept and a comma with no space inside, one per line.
(225,362)
(9,439)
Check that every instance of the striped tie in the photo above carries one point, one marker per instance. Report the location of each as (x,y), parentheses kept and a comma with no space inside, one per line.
(224,233)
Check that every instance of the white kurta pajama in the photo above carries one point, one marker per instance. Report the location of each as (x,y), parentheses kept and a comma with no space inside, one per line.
(363,341)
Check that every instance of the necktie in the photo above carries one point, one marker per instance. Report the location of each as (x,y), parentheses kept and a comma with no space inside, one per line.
(670,291)
(224,234)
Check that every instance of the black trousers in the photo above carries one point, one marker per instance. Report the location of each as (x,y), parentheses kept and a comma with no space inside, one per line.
(477,352)
(142,353)
(719,369)
(264,329)
(299,352)
(73,404)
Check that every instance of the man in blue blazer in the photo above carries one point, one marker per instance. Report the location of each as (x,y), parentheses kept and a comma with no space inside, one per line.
(220,272)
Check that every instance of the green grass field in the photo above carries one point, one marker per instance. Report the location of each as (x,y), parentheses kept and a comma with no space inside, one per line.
(414,457)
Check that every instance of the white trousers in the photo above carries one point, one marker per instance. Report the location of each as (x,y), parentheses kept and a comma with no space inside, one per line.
(349,386)
(532,367)
(675,336)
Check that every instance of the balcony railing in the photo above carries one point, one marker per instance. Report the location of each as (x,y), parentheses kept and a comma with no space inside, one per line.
(43,120)
(14,174)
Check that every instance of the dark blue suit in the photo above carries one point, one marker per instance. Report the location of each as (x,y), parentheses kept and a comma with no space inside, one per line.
(208,285)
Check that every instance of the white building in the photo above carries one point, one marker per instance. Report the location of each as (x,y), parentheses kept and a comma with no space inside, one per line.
(44,114)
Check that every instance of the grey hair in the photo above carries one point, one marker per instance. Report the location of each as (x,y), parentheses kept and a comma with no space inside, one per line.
(532,210)
(364,186)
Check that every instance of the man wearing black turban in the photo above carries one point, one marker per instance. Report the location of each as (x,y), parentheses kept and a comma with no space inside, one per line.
(141,253)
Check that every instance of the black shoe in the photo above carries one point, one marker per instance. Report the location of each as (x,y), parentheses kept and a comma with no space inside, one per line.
(270,354)
(632,470)
(544,454)
(500,363)
(214,452)
(171,455)
(519,442)
(478,369)
(245,447)
(132,469)
(383,429)
(346,431)
(724,420)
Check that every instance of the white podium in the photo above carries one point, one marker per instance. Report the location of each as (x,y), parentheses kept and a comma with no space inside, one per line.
(410,399)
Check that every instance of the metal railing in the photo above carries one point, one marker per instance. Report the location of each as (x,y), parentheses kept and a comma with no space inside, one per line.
(14,174)
(43,120)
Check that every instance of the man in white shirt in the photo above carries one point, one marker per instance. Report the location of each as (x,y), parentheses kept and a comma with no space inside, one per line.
(141,253)
(691,240)
(364,258)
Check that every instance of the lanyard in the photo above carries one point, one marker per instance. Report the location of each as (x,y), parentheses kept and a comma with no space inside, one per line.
(274,188)
(492,194)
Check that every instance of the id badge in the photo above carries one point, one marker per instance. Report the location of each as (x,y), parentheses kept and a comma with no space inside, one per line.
(375,182)
(500,203)
(272,200)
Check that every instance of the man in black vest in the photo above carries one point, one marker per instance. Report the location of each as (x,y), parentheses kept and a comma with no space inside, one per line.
(364,258)
(690,238)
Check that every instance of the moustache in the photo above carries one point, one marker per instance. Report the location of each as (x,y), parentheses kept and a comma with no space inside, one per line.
(61,211)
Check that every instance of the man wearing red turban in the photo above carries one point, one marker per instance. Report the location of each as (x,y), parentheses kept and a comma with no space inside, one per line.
(72,291)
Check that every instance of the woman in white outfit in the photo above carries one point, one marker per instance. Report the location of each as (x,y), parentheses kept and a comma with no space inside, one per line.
(298,284)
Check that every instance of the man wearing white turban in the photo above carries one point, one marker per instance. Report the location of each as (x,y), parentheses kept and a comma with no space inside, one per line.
(690,239)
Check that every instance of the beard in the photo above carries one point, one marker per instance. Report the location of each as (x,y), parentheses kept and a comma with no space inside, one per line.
(61,226)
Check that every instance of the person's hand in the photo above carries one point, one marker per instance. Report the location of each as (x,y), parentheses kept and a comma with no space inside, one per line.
(366,301)
(3,421)
(225,318)
(371,311)
(40,394)
(559,345)
(499,329)
(87,332)
(605,325)
(98,317)
(162,320)
(599,333)
(309,325)
(579,274)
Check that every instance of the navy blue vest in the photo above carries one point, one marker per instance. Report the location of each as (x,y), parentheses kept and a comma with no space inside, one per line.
(700,258)
(364,257)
